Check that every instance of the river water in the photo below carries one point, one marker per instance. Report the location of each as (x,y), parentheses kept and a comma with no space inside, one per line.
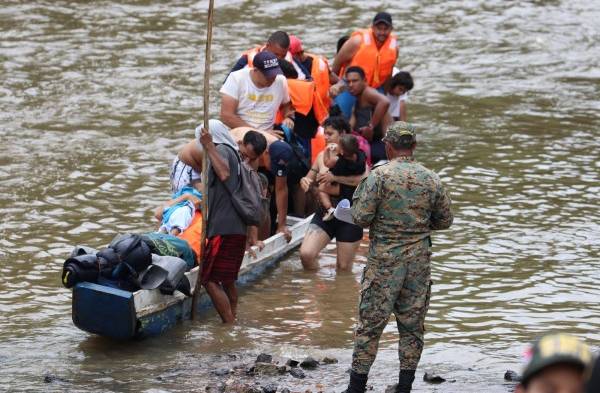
(96,97)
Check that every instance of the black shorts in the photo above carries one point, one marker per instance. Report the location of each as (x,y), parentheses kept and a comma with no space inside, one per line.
(336,229)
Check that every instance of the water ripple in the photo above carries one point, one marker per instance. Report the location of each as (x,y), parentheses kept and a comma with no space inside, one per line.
(96,98)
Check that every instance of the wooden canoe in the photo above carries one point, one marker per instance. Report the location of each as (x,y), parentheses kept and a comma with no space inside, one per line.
(123,315)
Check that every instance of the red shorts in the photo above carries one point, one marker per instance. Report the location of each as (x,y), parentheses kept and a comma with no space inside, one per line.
(223,257)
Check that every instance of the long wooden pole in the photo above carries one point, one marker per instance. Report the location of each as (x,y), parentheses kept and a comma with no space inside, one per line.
(206,98)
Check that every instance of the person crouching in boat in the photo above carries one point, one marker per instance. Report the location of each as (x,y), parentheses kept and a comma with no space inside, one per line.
(309,113)
(321,232)
(226,229)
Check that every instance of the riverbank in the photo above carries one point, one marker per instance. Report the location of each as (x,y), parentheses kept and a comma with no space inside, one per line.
(246,372)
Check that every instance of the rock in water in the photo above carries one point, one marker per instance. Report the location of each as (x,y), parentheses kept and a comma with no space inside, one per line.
(251,389)
(266,369)
(283,369)
(270,388)
(512,376)
(292,363)
(221,372)
(328,360)
(297,373)
(309,364)
(220,388)
(431,378)
(264,358)
(50,378)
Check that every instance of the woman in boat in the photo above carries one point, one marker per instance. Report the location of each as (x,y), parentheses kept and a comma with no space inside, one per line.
(321,232)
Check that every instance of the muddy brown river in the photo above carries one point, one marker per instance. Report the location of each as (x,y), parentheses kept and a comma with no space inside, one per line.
(96,97)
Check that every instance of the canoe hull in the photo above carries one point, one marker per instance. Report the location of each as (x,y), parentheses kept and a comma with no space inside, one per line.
(123,315)
(104,310)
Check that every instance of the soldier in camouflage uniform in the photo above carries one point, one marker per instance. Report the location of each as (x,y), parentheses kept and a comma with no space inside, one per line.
(400,202)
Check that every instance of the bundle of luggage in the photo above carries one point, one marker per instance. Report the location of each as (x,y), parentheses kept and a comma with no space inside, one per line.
(132,262)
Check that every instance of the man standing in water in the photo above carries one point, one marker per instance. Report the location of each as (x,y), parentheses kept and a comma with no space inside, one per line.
(226,232)
(401,203)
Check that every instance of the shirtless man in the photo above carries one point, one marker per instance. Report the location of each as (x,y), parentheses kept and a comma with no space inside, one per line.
(370,113)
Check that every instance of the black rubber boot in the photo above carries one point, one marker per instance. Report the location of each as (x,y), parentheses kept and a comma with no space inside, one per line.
(358,383)
(405,380)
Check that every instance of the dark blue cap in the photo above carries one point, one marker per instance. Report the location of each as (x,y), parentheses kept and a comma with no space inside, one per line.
(267,63)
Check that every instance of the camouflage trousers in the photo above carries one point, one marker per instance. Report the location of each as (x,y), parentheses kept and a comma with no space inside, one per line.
(398,284)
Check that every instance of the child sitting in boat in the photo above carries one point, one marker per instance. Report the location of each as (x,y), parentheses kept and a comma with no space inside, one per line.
(343,159)
(176,215)
(397,92)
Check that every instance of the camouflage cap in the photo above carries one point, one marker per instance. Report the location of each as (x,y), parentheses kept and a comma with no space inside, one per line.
(399,129)
(555,349)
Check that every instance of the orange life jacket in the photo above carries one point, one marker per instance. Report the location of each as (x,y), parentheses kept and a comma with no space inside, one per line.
(317,144)
(302,95)
(250,53)
(193,234)
(377,63)
(320,74)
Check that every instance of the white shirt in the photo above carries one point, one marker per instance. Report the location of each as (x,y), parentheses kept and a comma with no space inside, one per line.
(257,107)
(394,108)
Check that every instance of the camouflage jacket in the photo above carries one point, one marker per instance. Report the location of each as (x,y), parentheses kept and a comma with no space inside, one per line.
(400,202)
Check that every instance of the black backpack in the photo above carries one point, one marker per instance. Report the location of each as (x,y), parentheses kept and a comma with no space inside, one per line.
(246,198)
(124,260)
(130,254)
(299,165)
